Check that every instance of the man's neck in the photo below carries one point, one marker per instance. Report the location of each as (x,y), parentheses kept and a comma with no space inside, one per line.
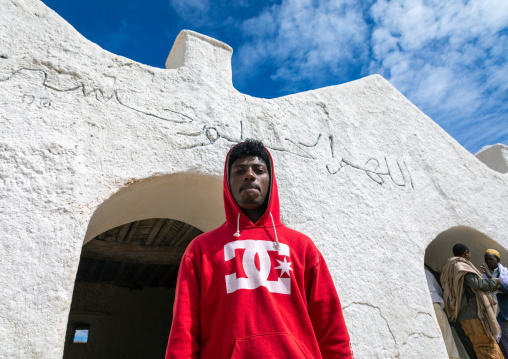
(254,214)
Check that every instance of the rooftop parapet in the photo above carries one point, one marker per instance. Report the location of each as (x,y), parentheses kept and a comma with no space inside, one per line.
(204,55)
(495,157)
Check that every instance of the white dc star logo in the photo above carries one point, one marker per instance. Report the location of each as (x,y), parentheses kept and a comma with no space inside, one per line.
(285,267)
(257,272)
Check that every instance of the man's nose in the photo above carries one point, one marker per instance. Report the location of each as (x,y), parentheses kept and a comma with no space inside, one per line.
(249,175)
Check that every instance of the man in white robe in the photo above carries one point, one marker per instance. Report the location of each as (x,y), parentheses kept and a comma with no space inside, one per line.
(436,294)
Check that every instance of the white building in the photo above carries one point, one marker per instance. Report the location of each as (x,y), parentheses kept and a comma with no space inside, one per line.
(119,165)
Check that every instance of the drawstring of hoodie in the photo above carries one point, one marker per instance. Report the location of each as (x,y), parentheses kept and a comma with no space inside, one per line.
(277,244)
(237,233)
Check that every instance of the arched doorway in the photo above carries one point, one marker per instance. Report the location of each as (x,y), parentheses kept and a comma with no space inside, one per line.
(440,249)
(191,198)
(437,254)
(124,289)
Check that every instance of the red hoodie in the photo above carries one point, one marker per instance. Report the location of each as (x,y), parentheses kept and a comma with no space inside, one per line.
(249,297)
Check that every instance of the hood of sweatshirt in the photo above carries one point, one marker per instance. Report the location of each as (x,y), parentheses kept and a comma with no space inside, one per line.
(235,218)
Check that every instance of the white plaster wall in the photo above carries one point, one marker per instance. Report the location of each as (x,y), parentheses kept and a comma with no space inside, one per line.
(361,170)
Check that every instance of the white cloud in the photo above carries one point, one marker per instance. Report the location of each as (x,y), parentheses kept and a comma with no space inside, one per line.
(191,10)
(307,40)
(447,57)
(262,25)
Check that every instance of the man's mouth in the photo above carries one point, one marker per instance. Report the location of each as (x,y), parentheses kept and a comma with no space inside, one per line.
(249,187)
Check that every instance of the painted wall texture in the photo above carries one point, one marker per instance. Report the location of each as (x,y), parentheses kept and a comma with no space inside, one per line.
(91,140)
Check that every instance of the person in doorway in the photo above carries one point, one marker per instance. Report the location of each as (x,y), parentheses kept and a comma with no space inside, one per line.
(436,294)
(467,299)
(254,288)
(494,269)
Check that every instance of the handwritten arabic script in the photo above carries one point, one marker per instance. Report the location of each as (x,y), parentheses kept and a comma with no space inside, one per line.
(379,170)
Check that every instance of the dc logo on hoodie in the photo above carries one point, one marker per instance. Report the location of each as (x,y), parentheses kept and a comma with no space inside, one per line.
(252,277)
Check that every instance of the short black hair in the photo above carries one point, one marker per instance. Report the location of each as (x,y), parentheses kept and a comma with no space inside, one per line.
(459,249)
(249,147)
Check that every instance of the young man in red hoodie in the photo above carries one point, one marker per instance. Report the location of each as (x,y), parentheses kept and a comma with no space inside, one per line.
(254,288)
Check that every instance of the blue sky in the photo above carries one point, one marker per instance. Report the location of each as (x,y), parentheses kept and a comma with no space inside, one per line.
(81,336)
(448,57)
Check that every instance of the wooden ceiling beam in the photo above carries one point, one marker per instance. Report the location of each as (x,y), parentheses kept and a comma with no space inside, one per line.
(163,232)
(185,236)
(132,253)
(154,231)
(132,230)
(177,238)
(123,232)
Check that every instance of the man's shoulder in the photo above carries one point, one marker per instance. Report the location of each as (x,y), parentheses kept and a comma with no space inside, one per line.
(458,265)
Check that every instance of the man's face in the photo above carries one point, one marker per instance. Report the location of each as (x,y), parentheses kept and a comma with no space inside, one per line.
(491,260)
(249,181)
(467,255)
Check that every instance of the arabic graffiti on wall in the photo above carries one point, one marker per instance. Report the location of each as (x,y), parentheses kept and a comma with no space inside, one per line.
(379,170)
(99,94)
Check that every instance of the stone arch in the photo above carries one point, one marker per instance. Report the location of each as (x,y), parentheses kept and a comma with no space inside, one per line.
(191,198)
(440,249)
(125,284)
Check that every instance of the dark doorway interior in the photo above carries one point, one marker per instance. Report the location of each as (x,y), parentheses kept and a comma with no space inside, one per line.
(124,290)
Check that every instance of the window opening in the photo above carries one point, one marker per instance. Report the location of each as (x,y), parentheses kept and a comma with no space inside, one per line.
(81,334)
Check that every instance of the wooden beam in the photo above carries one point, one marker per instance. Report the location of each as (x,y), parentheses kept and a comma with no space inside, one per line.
(185,235)
(110,237)
(123,232)
(132,253)
(178,236)
(155,230)
(132,230)
(163,232)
